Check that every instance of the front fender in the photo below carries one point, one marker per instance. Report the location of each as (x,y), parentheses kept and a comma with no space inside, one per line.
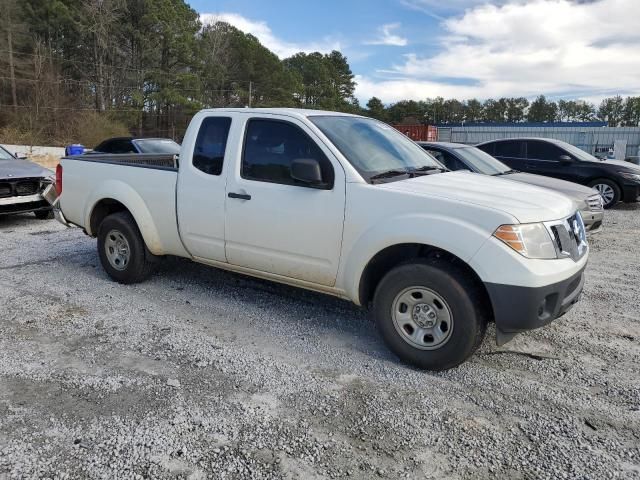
(125,194)
(456,236)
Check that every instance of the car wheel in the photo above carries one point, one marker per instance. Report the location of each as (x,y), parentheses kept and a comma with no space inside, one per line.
(43,214)
(122,250)
(430,314)
(609,191)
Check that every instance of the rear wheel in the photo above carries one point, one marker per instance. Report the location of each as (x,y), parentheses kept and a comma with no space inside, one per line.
(609,191)
(122,250)
(430,314)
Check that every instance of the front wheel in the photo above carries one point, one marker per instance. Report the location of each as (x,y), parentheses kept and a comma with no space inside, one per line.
(44,214)
(122,250)
(609,191)
(430,314)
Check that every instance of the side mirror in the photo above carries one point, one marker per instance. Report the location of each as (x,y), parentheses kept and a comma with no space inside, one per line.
(307,170)
(20,156)
(565,159)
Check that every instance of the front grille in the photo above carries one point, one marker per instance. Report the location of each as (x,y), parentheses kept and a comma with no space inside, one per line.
(22,187)
(29,187)
(6,190)
(595,202)
(569,237)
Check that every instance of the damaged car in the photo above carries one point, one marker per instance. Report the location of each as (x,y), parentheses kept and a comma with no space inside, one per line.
(22,184)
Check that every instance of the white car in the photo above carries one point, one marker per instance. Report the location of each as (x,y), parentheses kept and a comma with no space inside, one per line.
(344,205)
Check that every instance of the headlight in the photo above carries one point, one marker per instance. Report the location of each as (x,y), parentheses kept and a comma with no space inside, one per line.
(631,176)
(531,240)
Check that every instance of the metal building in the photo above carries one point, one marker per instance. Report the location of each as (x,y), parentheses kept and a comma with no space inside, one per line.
(624,142)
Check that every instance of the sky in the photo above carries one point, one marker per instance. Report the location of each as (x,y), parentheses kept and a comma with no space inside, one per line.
(416,49)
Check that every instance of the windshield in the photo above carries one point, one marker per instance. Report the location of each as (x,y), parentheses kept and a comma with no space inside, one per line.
(373,147)
(482,161)
(5,155)
(155,145)
(578,152)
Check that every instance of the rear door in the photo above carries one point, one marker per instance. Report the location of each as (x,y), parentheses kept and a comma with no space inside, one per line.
(201,190)
(511,152)
(275,224)
(543,158)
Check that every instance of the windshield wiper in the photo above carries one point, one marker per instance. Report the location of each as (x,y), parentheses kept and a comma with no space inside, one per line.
(506,172)
(428,168)
(389,174)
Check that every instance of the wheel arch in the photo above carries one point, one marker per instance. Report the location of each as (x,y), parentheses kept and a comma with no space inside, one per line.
(390,257)
(119,197)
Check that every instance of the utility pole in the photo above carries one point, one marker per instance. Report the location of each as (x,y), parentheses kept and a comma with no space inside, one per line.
(250,89)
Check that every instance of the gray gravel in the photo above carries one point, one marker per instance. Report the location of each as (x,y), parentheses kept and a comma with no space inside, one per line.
(198,373)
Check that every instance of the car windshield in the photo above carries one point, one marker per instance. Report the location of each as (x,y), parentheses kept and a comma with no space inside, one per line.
(578,152)
(374,148)
(158,145)
(4,155)
(482,161)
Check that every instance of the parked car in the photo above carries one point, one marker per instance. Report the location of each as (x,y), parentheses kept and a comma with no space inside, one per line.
(122,145)
(344,205)
(458,156)
(21,186)
(616,181)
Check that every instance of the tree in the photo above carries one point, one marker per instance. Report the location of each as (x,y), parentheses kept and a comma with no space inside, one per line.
(473,110)
(495,110)
(326,80)
(542,110)
(376,109)
(516,109)
(631,115)
(611,111)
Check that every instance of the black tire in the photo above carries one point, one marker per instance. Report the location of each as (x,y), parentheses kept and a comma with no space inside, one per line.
(617,193)
(43,214)
(463,298)
(140,261)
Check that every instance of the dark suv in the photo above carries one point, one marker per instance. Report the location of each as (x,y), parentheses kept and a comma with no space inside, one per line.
(543,156)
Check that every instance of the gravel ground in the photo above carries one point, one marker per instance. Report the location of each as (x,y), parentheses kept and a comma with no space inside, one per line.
(198,373)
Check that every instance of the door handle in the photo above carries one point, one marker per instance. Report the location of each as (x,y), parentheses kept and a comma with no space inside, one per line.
(241,196)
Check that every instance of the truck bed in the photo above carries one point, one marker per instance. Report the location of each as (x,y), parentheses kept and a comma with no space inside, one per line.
(145,183)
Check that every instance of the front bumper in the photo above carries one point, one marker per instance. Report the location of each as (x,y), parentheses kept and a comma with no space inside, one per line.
(23,204)
(51,196)
(630,192)
(517,309)
(592,220)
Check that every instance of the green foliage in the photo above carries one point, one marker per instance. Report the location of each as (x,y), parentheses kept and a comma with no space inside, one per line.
(323,81)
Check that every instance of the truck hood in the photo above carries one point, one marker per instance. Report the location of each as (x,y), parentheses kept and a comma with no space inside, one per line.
(22,169)
(527,203)
(577,192)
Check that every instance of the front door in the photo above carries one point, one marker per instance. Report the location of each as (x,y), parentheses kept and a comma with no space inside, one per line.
(274,223)
(543,158)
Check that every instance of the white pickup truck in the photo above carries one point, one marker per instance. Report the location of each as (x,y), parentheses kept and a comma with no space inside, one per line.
(344,205)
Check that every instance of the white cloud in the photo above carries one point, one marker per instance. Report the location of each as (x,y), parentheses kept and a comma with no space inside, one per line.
(262,32)
(555,47)
(387,37)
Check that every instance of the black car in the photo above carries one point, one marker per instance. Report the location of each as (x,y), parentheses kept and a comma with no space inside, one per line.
(614,180)
(457,156)
(22,184)
(138,145)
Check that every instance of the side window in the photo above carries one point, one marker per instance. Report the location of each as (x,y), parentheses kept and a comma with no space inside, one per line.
(436,154)
(448,160)
(270,146)
(508,149)
(543,151)
(104,147)
(490,148)
(122,146)
(211,143)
